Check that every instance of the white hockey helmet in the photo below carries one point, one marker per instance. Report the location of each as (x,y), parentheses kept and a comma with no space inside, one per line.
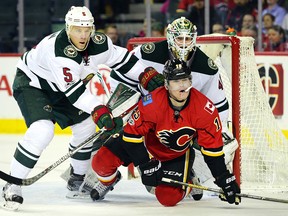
(181,37)
(79,16)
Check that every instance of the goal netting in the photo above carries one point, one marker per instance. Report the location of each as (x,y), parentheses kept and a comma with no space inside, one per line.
(262,157)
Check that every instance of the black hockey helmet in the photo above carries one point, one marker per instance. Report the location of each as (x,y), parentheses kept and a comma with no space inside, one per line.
(176,69)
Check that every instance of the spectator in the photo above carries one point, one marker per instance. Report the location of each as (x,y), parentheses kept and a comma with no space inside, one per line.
(250,31)
(143,31)
(196,14)
(112,32)
(157,29)
(268,21)
(248,20)
(285,25)
(277,39)
(184,5)
(222,8)
(277,11)
(217,28)
(235,16)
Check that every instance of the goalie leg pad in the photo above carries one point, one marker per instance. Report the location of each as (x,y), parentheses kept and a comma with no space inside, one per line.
(229,149)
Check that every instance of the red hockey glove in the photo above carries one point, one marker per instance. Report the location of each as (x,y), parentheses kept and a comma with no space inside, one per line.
(230,187)
(151,172)
(103,118)
(150,79)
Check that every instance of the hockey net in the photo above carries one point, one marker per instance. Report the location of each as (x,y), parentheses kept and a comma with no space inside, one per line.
(262,157)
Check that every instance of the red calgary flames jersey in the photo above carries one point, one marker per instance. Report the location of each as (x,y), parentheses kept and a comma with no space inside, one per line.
(168,132)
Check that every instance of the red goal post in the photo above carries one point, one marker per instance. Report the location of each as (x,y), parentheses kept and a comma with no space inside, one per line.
(263,152)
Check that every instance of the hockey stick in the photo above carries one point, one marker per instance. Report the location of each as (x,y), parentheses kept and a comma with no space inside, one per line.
(29,181)
(167,180)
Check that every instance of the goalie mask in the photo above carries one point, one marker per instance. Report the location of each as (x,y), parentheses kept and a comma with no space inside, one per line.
(81,17)
(181,38)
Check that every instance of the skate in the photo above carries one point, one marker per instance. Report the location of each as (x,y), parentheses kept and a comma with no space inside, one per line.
(196,193)
(100,190)
(12,195)
(78,187)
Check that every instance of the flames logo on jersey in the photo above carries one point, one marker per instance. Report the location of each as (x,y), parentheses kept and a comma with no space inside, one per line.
(178,140)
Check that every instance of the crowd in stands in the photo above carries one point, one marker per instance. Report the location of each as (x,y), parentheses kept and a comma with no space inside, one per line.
(241,15)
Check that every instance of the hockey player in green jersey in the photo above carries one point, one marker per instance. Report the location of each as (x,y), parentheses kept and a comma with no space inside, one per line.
(49,88)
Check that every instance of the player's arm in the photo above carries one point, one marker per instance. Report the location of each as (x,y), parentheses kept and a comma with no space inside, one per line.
(133,137)
(68,80)
(150,169)
(141,72)
(210,140)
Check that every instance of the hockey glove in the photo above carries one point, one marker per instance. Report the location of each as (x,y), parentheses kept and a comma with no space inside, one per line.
(150,79)
(151,172)
(103,118)
(230,187)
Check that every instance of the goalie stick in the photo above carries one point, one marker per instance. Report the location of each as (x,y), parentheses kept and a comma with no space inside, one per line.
(29,181)
(219,191)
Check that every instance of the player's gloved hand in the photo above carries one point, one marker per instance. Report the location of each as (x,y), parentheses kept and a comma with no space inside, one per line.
(151,172)
(103,118)
(230,187)
(150,79)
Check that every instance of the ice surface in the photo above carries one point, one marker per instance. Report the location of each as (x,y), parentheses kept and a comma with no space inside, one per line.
(47,196)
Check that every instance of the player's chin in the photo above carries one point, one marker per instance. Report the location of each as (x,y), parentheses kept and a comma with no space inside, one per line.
(182,94)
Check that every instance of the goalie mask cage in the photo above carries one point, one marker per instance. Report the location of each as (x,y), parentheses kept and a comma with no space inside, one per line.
(261,159)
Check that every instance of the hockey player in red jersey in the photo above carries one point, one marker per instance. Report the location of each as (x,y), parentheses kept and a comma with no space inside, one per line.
(158,140)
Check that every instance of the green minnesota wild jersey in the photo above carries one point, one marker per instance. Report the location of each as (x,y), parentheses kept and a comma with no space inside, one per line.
(55,65)
(205,75)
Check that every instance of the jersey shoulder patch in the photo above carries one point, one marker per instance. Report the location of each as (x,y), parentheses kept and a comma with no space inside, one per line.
(148,48)
(209,107)
(70,51)
(147,99)
(201,63)
(98,44)
(212,64)
(98,38)
(63,48)
(157,52)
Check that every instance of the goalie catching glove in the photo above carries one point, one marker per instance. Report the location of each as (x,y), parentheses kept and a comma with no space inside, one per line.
(150,79)
(230,188)
(151,172)
(103,118)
